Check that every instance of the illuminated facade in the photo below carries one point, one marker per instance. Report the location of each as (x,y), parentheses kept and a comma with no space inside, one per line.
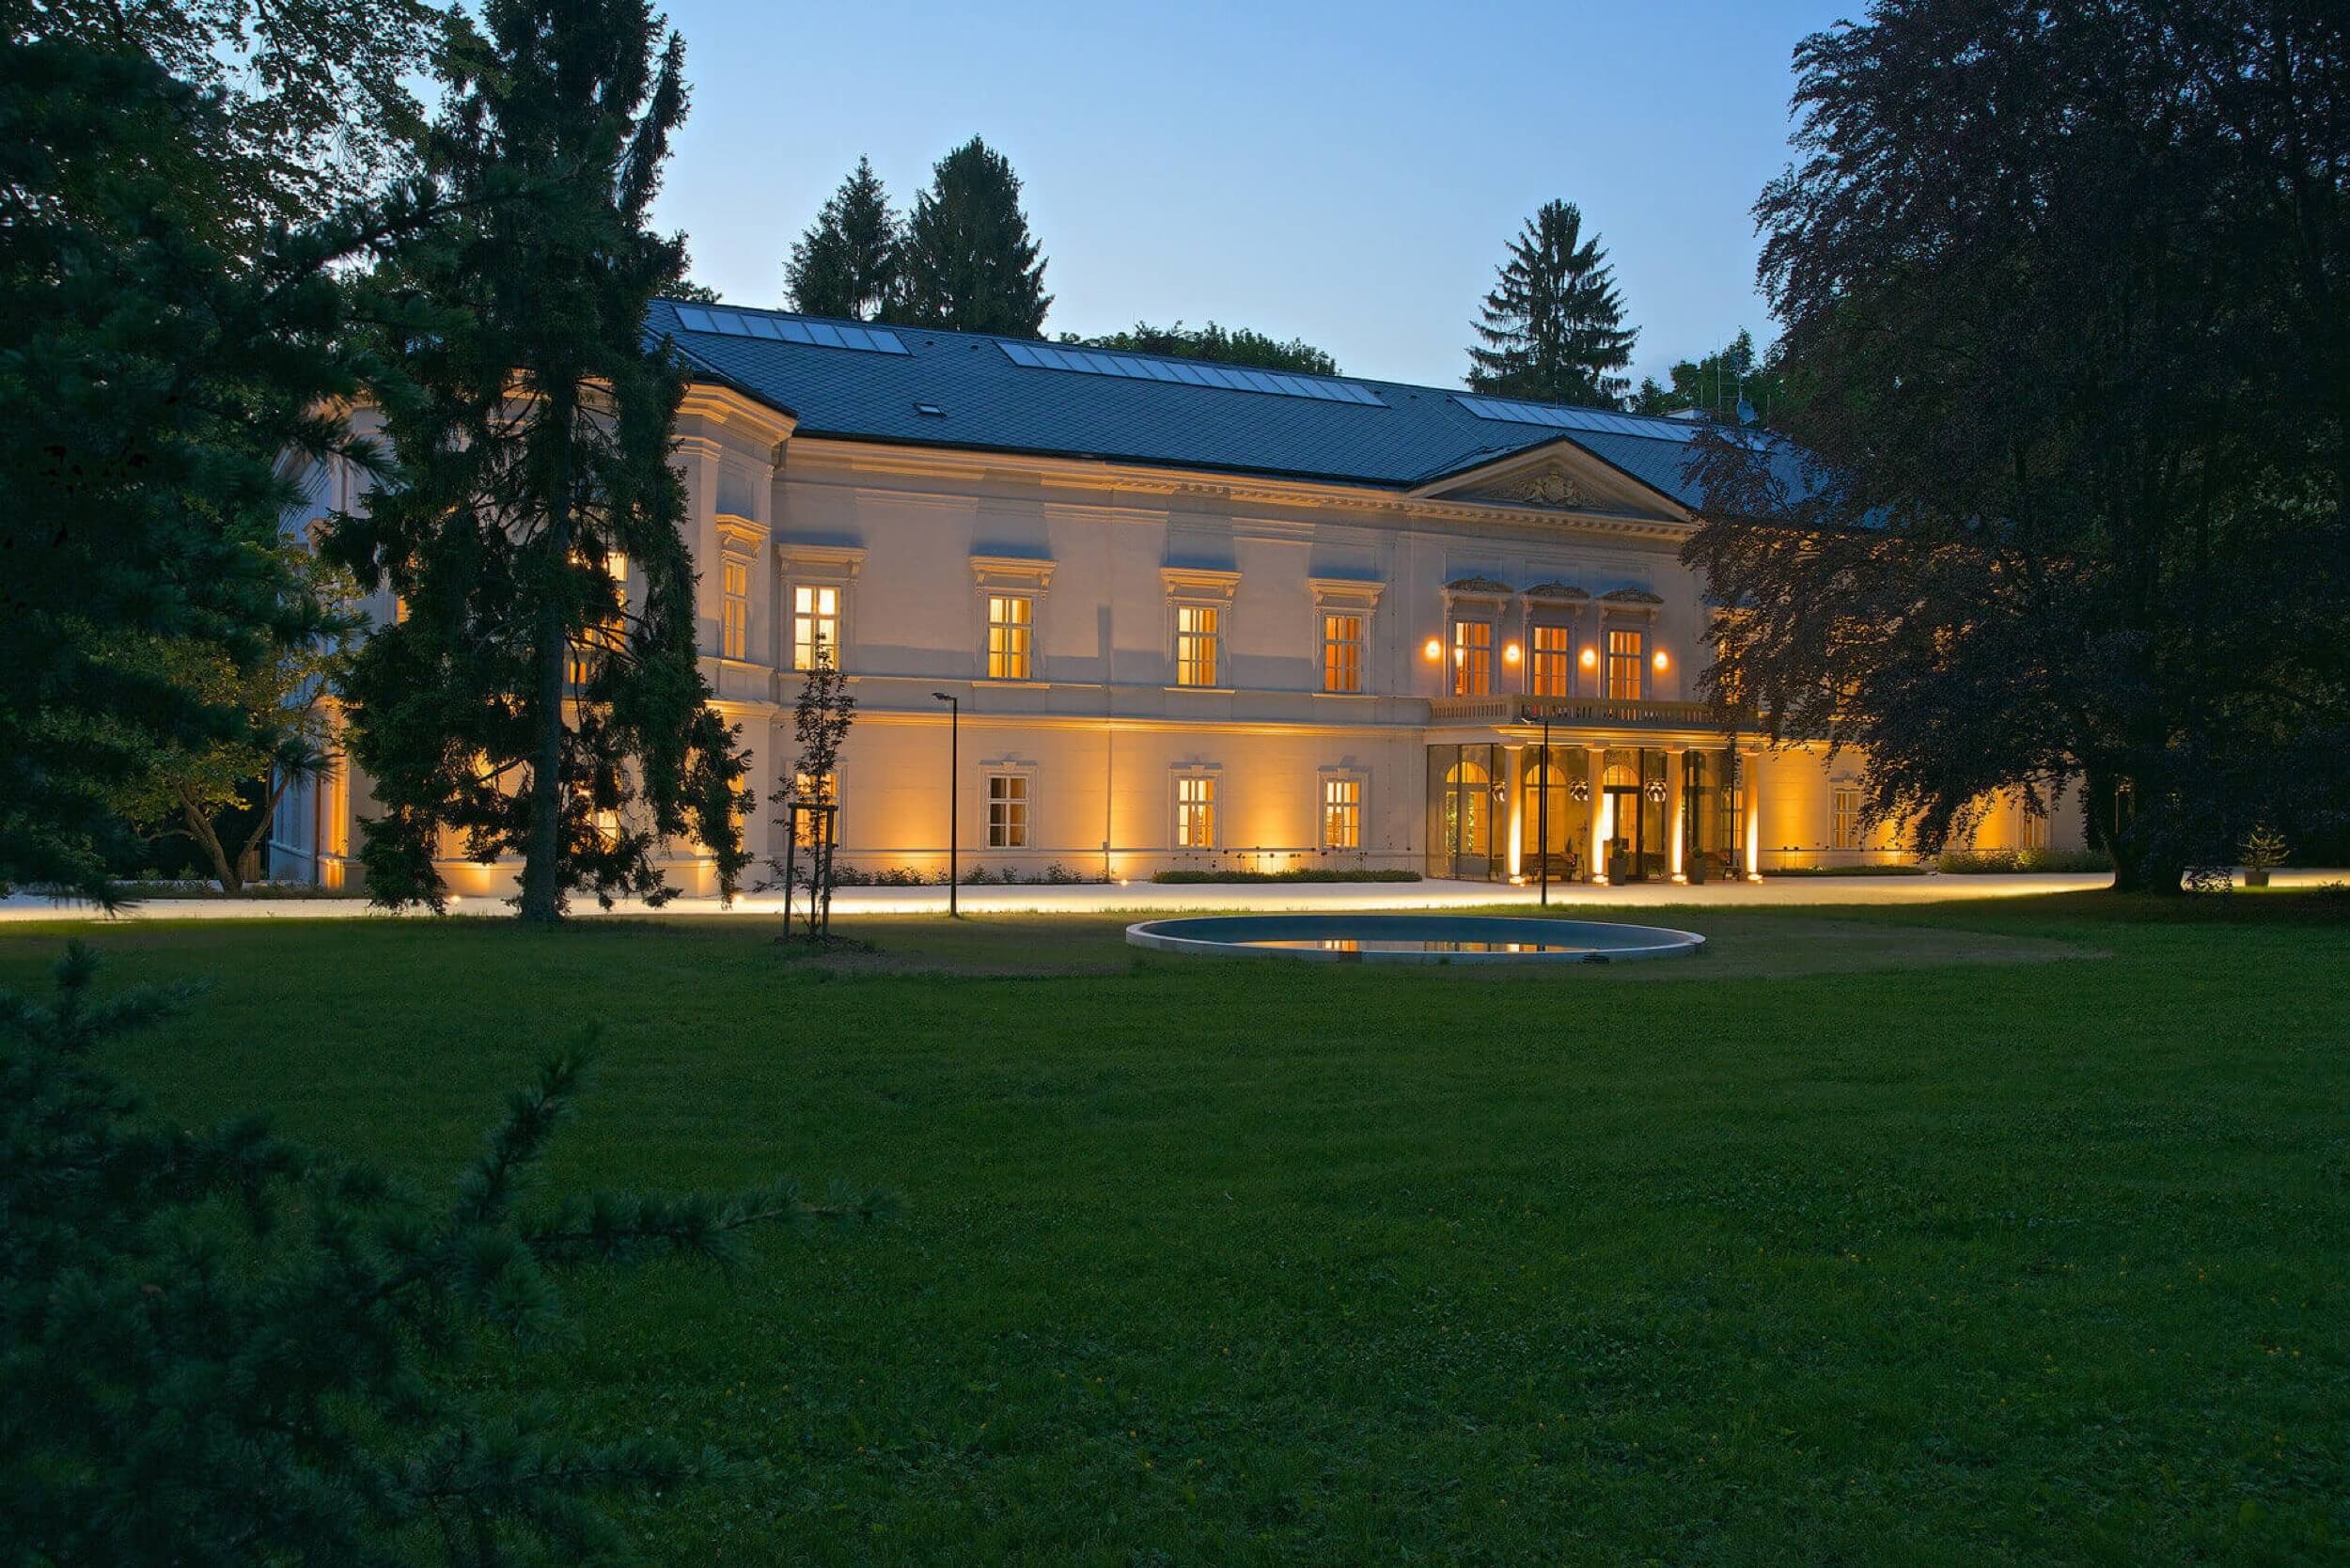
(1173,648)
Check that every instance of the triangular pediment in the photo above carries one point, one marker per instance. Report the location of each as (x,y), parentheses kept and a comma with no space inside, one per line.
(1556,476)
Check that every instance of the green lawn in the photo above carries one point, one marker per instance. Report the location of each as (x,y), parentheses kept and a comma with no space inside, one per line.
(2011,1231)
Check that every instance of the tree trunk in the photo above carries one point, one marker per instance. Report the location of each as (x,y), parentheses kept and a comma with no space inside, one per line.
(542,893)
(200,829)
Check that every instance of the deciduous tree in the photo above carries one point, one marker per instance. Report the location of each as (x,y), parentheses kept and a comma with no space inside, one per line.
(2066,288)
(1235,346)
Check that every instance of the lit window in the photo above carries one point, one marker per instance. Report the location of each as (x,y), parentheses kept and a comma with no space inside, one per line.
(1010,621)
(1199,633)
(1007,810)
(1554,662)
(1341,813)
(1623,666)
(815,626)
(2031,828)
(606,634)
(1472,658)
(1341,652)
(1194,811)
(809,790)
(1843,819)
(735,609)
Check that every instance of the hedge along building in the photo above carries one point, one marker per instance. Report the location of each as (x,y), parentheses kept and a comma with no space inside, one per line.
(1196,614)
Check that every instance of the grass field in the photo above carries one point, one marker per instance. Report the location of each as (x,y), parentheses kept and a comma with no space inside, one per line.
(1984,1232)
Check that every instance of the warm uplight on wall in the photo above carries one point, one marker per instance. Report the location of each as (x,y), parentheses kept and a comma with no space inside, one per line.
(1435,648)
(1590,656)
(1510,654)
(1660,661)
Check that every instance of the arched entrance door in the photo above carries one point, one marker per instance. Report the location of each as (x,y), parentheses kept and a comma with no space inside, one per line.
(1468,815)
(1621,821)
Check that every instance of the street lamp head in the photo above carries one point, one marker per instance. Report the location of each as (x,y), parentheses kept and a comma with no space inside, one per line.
(942,696)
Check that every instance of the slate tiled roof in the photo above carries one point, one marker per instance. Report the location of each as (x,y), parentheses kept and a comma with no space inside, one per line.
(985,401)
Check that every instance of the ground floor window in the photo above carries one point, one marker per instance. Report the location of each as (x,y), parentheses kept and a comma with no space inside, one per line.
(1194,811)
(1007,810)
(2031,828)
(1341,813)
(810,790)
(1844,818)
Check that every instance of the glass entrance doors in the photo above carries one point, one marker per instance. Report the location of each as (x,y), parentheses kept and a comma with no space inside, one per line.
(1465,795)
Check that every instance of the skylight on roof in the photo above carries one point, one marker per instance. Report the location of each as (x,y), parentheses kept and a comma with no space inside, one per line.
(786,329)
(1509,411)
(1188,372)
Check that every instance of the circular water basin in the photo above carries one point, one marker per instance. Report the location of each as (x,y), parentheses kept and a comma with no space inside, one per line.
(1412,938)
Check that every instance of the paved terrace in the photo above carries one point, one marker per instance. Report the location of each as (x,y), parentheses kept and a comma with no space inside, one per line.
(1105,898)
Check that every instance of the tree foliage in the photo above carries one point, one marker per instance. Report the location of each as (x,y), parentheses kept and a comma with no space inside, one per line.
(224,1348)
(153,368)
(1718,383)
(190,786)
(846,264)
(1232,346)
(968,262)
(540,693)
(2065,289)
(1552,328)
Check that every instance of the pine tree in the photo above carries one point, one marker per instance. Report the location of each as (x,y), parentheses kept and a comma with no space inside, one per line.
(224,1348)
(846,264)
(968,262)
(1553,328)
(540,693)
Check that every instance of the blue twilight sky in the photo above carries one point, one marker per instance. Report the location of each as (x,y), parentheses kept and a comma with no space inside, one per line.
(1347,173)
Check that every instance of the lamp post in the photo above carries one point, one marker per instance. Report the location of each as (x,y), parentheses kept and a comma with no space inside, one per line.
(955,745)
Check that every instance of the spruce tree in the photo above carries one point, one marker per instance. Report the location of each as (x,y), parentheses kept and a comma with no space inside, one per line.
(1553,327)
(541,693)
(846,264)
(968,262)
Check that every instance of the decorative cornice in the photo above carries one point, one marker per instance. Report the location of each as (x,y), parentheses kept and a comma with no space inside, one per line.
(845,559)
(1477,588)
(1346,590)
(1557,594)
(1020,571)
(1199,581)
(1631,596)
(739,535)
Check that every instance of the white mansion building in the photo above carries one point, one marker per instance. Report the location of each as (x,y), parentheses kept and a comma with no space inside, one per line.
(1196,614)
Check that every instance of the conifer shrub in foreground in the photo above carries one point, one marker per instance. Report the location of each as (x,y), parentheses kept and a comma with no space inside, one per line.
(223,1347)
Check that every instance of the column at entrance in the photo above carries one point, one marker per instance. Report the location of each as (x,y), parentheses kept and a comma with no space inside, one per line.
(1677,829)
(1514,770)
(1750,791)
(1598,777)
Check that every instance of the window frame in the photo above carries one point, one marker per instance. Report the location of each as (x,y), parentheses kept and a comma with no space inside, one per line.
(1019,628)
(1536,654)
(815,617)
(734,608)
(1333,779)
(1206,798)
(1188,664)
(993,775)
(1636,658)
(1845,831)
(1468,654)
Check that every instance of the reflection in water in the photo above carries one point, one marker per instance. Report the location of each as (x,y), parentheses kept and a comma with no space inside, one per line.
(1415,945)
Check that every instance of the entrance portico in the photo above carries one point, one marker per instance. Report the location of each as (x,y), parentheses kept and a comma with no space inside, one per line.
(1595,790)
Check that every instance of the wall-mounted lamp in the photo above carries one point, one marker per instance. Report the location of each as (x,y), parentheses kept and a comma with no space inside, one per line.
(1590,656)
(1434,649)
(1510,654)
(1660,661)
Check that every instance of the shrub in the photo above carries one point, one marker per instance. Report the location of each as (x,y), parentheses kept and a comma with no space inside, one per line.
(1993,862)
(1302,874)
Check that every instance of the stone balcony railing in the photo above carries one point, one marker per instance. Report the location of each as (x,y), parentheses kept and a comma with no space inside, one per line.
(1614,713)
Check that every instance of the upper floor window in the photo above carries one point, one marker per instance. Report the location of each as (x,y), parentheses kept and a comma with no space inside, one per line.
(1472,658)
(1341,813)
(1007,810)
(1342,652)
(1554,662)
(735,609)
(606,633)
(1194,811)
(1010,630)
(1198,644)
(1624,660)
(815,625)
